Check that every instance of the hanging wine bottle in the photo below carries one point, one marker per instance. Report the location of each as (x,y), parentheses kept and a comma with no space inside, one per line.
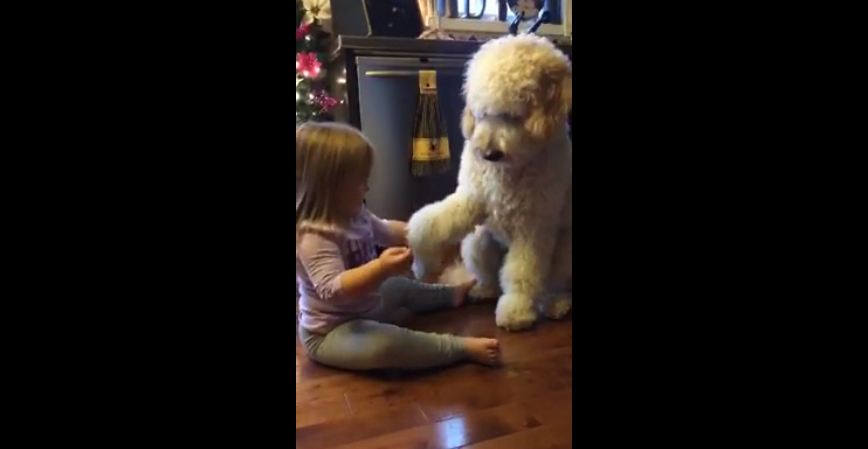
(430,146)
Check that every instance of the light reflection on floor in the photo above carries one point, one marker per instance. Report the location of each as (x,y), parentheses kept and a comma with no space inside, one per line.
(452,433)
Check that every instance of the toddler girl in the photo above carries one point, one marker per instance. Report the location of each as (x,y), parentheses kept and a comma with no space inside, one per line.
(350,297)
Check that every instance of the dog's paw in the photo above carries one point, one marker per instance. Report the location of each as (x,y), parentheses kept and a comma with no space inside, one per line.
(515,312)
(420,227)
(483,292)
(557,306)
(425,269)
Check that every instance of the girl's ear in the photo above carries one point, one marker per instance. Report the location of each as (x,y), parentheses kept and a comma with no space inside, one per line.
(467,123)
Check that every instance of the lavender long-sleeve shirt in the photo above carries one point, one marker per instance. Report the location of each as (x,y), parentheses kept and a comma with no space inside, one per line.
(321,257)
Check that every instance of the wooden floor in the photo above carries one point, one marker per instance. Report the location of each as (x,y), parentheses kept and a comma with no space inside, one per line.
(525,404)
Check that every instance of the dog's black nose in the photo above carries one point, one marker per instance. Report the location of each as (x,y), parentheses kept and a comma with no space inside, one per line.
(492,155)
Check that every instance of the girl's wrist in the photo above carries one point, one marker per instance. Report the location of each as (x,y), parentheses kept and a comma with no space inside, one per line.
(380,268)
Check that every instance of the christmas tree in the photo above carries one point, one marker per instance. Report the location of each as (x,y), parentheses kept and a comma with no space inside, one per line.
(312,101)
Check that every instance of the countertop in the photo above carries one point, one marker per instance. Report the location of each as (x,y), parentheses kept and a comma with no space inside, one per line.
(361,45)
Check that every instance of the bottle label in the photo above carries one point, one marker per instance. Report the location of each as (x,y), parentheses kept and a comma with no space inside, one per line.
(427,149)
(428,81)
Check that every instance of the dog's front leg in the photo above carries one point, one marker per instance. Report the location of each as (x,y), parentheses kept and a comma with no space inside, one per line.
(559,299)
(523,278)
(483,256)
(439,224)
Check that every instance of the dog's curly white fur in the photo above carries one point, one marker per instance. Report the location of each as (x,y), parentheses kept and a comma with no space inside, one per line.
(516,207)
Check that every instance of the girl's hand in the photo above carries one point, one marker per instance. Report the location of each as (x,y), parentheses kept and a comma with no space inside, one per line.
(396,260)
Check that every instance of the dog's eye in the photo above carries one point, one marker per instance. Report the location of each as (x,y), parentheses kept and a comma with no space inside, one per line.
(502,117)
(509,118)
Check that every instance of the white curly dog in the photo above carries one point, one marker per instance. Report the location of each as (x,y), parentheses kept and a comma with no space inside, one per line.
(512,205)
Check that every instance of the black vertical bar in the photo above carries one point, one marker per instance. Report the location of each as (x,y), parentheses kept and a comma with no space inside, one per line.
(353,89)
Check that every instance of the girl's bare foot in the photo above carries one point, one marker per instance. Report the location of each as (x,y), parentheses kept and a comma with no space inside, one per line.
(459,292)
(483,350)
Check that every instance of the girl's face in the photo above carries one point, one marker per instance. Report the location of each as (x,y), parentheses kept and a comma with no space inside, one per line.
(352,193)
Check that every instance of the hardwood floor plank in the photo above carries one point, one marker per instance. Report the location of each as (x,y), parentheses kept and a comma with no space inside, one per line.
(541,376)
(555,436)
(472,427)
(448,434)
(359,427)
(315,412)
(466,405)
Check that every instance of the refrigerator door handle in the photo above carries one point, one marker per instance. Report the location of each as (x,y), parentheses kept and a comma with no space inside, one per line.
(406,73)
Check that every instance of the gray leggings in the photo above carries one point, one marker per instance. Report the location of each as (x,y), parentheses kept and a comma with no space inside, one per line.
(372,342)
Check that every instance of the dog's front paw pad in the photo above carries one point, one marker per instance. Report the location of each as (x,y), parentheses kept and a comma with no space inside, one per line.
(515,312)
(482,292)
(424,266)
(557,306)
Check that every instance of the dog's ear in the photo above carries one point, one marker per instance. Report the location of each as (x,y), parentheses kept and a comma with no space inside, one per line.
(566,94)
(552,105)
(467,123)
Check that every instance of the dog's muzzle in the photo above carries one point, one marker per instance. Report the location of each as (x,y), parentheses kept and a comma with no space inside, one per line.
(492,155)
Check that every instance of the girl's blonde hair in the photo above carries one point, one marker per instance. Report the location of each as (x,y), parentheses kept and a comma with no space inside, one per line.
(325,154)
